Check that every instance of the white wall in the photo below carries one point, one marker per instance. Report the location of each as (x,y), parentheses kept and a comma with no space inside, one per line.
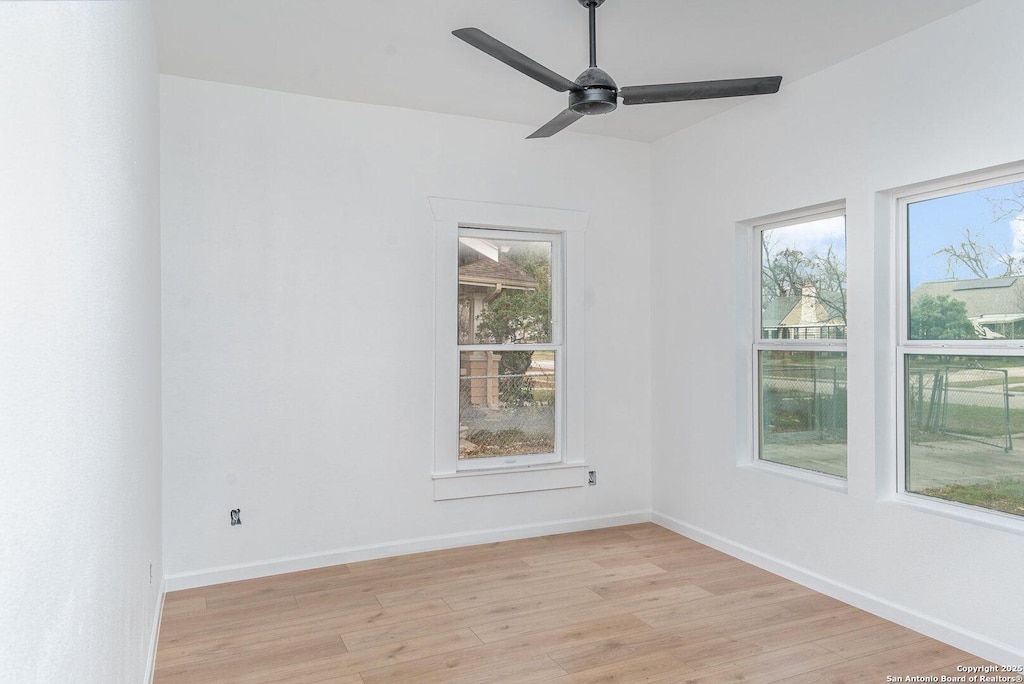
(298,319)
(80,435)
(941,101)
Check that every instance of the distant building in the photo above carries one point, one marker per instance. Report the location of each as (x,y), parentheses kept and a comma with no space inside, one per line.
(810,315)
(994,305)
(485,271)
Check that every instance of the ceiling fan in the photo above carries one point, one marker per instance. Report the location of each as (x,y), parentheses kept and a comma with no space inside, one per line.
(594,91)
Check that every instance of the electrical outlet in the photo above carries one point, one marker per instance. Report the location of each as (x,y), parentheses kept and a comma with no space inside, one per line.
(150,572)
(592,478)
(236,516)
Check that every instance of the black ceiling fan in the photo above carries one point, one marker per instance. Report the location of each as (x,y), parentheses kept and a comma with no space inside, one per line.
(594,91)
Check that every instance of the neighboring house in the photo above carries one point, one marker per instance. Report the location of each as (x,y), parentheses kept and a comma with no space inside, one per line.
(484,273)
(994,305)
(809,315)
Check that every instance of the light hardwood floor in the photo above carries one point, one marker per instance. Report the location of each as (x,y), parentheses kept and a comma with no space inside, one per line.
(623,604)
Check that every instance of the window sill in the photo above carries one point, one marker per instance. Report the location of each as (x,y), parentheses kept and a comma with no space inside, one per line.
(996,520)
(468,484)
(836,484)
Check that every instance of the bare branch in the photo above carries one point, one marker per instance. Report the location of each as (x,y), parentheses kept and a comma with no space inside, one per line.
(830,280)
(968,254)
(1004,208)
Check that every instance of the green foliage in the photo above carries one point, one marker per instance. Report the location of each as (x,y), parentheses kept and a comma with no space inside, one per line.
(976,421)
(521,316)
(516,390)
(1005,495)
(517,316)
(536,264)
(940,318)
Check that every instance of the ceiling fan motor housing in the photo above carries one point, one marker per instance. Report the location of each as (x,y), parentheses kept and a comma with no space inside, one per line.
(597,93)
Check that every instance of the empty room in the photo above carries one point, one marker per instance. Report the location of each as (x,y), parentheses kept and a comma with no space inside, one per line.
(511,341)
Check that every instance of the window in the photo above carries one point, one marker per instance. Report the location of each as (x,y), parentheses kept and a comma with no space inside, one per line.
(799,350)
(509,339)
(508,349)
(960,344)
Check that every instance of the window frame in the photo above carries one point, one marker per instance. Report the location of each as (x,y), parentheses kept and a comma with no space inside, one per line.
(451,479)
(901,199)
(755,230)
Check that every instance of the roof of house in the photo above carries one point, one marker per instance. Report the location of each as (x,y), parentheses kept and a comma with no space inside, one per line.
(983,296)
(779,309)
(491,273)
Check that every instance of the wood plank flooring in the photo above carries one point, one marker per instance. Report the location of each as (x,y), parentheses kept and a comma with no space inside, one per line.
(625,604)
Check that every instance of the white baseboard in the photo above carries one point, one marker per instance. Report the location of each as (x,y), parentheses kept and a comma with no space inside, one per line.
(154,636)
(243,571)
(978,645)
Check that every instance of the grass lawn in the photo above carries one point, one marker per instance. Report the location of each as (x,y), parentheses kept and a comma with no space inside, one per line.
(994,382)
(928,362)
(979,421)
(1005,495)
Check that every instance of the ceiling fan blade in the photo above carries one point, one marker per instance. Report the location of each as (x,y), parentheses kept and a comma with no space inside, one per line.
(700,90)
(563,120)
(515,59)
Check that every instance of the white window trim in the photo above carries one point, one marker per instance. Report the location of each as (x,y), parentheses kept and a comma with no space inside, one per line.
(900,198)
(451,481)
(749,318)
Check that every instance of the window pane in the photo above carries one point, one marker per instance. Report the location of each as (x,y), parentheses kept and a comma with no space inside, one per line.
(803,280)
(506,403)
(504,291)
(964,427)
(803,409)
(964,255)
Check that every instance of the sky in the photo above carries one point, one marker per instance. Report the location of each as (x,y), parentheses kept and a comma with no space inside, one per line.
(932,224)
(813,237)
(935,223)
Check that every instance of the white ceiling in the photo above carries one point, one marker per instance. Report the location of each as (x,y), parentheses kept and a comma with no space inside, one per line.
(402,53)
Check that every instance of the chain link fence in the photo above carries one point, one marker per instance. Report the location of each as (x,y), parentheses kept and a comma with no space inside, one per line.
(966,402)
(503,415)
(809,399)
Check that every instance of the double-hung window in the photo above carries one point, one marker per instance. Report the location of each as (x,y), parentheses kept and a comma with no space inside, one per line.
(799,349)
(508,340)
(510,348)
(961,344)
